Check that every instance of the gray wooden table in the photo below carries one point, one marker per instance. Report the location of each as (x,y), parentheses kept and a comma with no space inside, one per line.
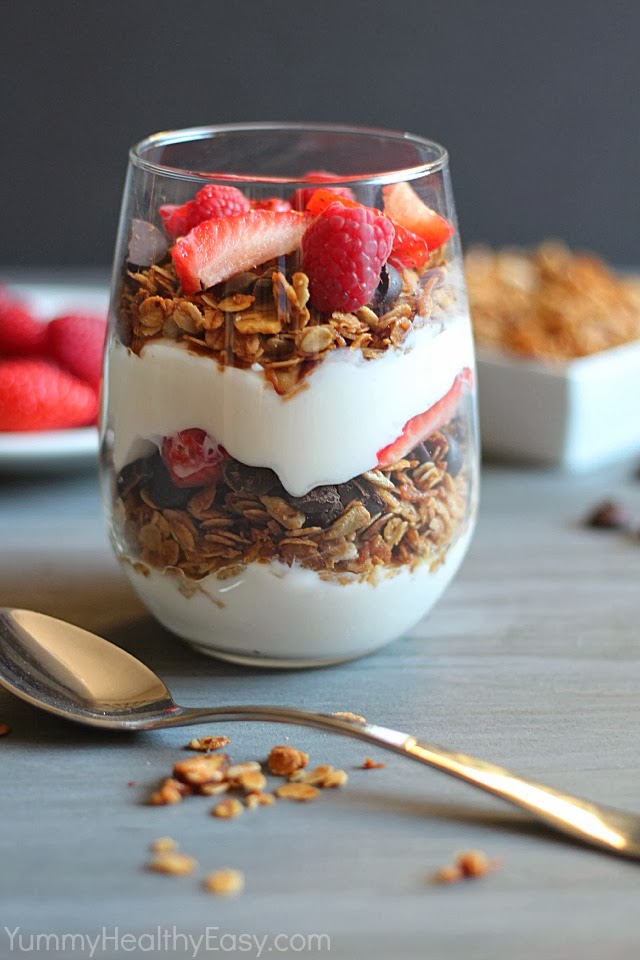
(531,660)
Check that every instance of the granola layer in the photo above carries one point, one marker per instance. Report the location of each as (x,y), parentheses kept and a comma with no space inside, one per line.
(264,317)
(391,518)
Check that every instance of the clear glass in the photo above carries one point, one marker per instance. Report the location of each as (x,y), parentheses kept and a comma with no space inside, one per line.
(289,458)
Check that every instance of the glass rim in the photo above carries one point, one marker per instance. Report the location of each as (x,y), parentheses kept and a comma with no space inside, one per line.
(166,137)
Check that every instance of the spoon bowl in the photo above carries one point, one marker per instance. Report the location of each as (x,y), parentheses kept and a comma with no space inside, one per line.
(77,675)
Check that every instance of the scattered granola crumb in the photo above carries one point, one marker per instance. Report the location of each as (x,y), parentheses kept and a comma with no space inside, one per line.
(163,845)
(474,863)
(208,769)
(171,791)
(4,729)
(132,783)
(469,865)
(228,809)
(251,782)
(253,800)
(285,760)
(213,789)
(178,864)
(447,874)
(225,883)
(347,715)
(297,791)
(206,744)
(335,778)
(323,775)
(370,764)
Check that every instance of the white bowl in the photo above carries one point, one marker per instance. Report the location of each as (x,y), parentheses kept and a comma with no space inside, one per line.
(576,415)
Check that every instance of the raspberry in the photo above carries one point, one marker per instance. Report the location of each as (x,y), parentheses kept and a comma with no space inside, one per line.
(37,395)
(192,458)
(76,342)
(343,252)
(210,202)
(20,333)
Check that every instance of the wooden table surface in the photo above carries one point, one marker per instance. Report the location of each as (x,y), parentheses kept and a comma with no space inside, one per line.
(531,660)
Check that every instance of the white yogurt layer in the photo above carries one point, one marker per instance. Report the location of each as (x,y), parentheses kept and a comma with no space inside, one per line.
(328,432)
(291,612)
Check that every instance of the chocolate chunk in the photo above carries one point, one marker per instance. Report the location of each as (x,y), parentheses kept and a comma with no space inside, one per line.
(321,506)
(240,283)
(254,481)
(263,289)
(359,489)
(131,475)
(421,453)
(387,291)
(609,515)
(162,489)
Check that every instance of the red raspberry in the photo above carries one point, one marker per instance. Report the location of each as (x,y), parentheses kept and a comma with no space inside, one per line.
(37,395)
(20,333)
(210,202)
(76,342)
(192,458)
(343,252)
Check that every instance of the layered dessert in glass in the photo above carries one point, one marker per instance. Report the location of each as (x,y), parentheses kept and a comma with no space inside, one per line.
(289,455)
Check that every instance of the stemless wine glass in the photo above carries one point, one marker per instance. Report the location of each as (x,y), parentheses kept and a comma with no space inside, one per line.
(288,454)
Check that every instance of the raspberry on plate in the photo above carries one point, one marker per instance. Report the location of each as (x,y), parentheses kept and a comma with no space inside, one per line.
(36,395)
(209,202)
(343,252)
(76,342)
(20,333)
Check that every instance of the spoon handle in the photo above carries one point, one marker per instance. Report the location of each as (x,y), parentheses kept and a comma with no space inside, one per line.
(612,830)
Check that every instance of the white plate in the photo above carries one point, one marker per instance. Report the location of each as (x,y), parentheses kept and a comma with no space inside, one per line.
(576,415)
(54,450)
(49,451)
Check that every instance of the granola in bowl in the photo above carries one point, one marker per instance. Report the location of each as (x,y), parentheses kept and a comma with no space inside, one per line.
(289,424)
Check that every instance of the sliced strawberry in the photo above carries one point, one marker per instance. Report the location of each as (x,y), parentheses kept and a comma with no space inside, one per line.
(277,204)
(405,207)
(424,424)
(192,458)
(321,198)
(409,250)
(300,198)
(217,249)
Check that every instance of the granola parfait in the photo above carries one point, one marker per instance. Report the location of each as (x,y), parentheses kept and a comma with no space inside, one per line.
(289,455)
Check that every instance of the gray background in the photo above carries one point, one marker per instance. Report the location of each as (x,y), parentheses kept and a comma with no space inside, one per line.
(537,103)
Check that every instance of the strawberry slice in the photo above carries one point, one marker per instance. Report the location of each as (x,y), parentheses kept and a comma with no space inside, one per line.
(277,204)
(405,207)
(409,250)
(424,424)
(192,458)
(217,249)
(301,197)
